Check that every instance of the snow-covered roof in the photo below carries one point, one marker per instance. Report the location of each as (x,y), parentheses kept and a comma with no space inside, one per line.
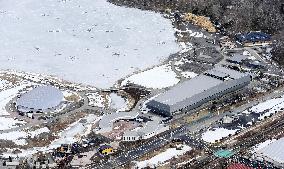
(274,151)
(150,129)
(41,98)
(198,84)
(238,58)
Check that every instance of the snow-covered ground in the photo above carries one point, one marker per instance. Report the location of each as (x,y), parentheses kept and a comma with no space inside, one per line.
(70,135)
(86,41)
(163,157)
(157,78)
(216,134)
(77,129)
(268,107)
(191,33)
(4,84)
(8,123)
(117,102)
(96,99)
(9,94)
(18,137)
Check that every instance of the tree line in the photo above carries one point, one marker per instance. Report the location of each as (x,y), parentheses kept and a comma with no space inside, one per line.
(233,15)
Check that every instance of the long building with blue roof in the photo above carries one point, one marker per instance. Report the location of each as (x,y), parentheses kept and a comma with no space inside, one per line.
(253,38)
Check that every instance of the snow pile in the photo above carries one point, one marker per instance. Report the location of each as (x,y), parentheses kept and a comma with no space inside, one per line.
(197,35)
(216,134)
(163,157)
(246,53)
(182,61)
(269,104)
(185,46)
(8,123)
(188,74)
(96,99)
(85,41)
(38,132)
(191,33)
(157,78)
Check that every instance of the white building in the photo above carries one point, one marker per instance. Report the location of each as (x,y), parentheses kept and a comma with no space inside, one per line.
(150,129)
(227,119)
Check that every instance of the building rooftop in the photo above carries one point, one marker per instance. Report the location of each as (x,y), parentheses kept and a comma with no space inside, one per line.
(187,89)
(273,152)
(231,73)
(106,123)
(239,58)
(253,37)
(150,127)
(197,85)
(41,97)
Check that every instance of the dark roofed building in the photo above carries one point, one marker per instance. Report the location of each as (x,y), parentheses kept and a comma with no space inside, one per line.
(253,38)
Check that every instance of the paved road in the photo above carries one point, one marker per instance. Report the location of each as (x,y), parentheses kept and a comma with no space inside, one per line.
(155,143)
(194,142)
(132,154)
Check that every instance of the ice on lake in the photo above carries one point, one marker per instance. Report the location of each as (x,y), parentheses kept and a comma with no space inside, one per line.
(85,41)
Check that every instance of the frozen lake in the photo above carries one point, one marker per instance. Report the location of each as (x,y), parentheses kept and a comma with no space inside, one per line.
(85,41)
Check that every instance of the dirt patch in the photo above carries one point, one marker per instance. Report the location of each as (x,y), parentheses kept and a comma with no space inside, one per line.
(62,123)
(119,128)
(136,92)
(11,78)
(73,98)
